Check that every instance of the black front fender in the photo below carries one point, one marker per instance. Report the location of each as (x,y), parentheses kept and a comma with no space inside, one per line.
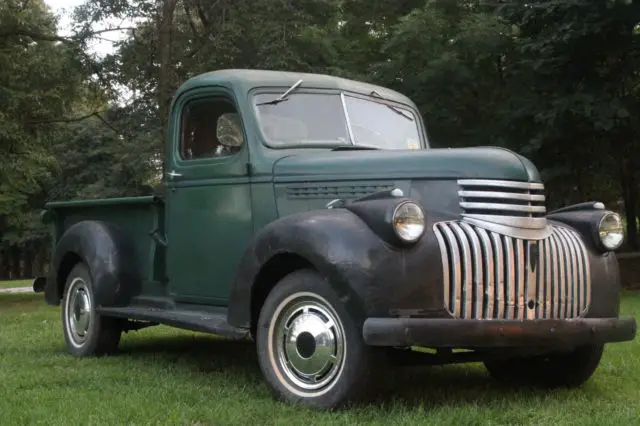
(371,276)
(110,256)
(605,274)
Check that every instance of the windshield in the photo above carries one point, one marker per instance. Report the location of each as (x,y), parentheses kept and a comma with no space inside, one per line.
(303,119)
(307,119)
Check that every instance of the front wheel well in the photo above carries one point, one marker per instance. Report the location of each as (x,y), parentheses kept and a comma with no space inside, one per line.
(271,273)
(69,260)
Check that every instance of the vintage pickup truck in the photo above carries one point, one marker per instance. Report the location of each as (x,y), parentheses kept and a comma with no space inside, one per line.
(308,213)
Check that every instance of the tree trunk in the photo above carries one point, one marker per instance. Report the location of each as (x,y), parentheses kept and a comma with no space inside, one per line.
(15,263)
(46,257)
(39,256)
(165,84)
(28,260)
(3,265)
(6,264)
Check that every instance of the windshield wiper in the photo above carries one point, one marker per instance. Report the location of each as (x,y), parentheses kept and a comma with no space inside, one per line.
(354,147)
(391,107)
(283,97)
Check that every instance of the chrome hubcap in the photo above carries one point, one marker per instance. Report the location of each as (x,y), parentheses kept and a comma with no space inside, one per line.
(78,311)
(308,341)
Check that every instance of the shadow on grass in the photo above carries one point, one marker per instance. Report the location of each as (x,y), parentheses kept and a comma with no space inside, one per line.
(452,385)
(207,354)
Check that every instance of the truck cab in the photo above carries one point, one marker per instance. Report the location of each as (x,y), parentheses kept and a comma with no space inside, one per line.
(245,145)
(308,214)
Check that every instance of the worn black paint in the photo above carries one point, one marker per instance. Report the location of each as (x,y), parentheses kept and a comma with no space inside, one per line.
(374,278)
(181,317)
(380,279)
(605,274)
(110,255)
(377,213)
(474,334)
(585,221)
(605,286)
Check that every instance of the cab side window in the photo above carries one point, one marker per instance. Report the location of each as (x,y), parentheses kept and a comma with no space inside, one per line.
(210,128)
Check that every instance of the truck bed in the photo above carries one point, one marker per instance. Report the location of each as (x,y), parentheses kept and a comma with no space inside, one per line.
(141,217)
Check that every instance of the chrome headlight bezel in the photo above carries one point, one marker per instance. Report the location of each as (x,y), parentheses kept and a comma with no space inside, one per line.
(411,233)
(603,235)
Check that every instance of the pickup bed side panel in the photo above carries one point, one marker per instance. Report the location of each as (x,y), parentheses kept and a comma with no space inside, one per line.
(121,240)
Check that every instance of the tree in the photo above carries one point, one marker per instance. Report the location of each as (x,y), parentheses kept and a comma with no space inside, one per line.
(175,40)
(39,80)
(579,60)
(452,59)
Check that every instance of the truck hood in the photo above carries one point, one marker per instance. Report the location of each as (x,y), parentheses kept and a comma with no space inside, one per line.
(447,163)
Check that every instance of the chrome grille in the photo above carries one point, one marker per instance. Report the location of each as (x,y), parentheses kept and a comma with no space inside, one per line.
(510,203)
(492,276)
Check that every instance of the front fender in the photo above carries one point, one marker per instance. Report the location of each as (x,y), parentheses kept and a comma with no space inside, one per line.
(372,277)
(584,219)
(110,255)
(605,274)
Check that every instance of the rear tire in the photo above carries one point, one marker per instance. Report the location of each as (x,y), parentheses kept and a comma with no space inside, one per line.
(310,349)
(569,370)
(86,333)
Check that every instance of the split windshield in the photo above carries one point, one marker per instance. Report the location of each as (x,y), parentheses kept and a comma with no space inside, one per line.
(315,119)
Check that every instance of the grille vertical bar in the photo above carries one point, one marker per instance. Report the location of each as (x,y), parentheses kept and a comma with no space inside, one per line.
(510,291)
(476,289)
(548,279)
(520,278)
(492,276)
(499,269)
(489,274)
(466,290)
(555,309)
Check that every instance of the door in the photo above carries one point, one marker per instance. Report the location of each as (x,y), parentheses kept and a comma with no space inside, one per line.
(209,220)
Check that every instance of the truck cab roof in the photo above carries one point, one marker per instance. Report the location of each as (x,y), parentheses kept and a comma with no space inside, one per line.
(246,80)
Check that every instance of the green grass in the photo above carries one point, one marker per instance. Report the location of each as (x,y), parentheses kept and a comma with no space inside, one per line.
(169,376)
(16,283)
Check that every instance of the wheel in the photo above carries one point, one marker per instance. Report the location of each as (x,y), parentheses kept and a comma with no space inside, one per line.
(85,332)
(310,349)
(569,369)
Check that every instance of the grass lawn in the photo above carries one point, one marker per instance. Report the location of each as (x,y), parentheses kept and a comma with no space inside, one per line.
(167,376)
(16,283)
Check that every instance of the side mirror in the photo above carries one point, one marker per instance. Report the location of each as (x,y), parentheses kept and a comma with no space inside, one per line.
(229,130)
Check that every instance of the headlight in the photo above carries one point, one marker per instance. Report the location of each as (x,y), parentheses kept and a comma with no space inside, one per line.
(611,231)
(408,221)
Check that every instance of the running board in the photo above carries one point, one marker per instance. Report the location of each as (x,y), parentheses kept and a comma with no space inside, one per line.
(205,322)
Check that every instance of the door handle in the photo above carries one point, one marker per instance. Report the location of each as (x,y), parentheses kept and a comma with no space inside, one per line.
(172,174)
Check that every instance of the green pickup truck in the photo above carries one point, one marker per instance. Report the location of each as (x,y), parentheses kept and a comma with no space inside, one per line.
(308,213)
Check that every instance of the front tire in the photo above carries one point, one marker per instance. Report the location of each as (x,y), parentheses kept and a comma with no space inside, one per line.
(569,370)
(86,333)
(310,349)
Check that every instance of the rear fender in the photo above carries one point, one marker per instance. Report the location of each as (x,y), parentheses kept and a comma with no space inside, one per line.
(110,255)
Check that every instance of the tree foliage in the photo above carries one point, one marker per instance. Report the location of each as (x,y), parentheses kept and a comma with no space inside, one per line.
(40,82)
(554,80)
